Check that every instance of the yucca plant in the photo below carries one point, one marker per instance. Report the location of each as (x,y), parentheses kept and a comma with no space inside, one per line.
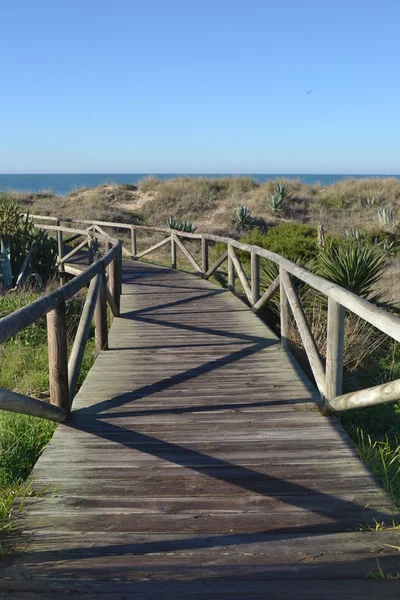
(353,266)
(385,214)
(242,218)
(185,226)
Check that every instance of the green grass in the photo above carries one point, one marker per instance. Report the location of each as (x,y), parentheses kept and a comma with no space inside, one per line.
(24,369)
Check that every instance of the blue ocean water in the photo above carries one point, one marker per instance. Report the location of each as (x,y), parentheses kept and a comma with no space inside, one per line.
(63,184)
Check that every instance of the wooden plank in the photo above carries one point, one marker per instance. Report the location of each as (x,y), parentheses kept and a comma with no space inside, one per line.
(267,295)
(216,265)
(26,405)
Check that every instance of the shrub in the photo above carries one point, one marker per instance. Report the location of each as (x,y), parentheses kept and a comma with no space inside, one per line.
(292,240)
(242,218)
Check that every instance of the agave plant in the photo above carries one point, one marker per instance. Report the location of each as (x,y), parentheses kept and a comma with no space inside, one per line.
(284,191)
(353,266)
(385,214)
(185,226)
(275,202)
(242,218)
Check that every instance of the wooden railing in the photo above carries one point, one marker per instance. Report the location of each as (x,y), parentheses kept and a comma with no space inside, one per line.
(103,275)
(328,376)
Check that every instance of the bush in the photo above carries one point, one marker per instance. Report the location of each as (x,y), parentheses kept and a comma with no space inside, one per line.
(174,223)
(292,240)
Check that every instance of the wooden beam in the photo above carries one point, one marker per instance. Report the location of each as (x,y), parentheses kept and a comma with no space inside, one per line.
(386,392)
(26,405)
(217,264)
(255,278)
(111,302)
(335,349)
(74,251)
(133,241)
(82,335)
(231,273)
(267,295)
(173,251)
(100,317)
(204,254)
(58,356)
(186,252)
(152,248)
(284,312)
(241,274)
(305,333)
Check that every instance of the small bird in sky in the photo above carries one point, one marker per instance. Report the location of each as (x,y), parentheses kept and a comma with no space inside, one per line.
(308,92)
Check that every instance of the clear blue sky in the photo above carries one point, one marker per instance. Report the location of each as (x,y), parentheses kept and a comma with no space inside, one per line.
(200,86)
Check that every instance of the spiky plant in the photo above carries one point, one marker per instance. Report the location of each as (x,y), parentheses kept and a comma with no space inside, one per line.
(275,202)
(284,191)
(242,218)
(353,266)
(185,226)
(385,214)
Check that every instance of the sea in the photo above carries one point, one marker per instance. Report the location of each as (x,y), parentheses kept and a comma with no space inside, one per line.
(62,184)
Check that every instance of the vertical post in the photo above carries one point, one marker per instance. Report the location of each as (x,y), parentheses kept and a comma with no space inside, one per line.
(60,252)
(114,280)
(60,241)
(100,317)
(133,240)
(335,349)
(231,271)
(255,277)
(58,356)
(90,249)
(173,252)
(284,312)
(204,254)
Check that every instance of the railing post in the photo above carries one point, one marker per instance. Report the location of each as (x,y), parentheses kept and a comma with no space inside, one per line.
(60,241)
(114,280)
(334,349)
(255,277)
(100,317)
(60,251)
(231,271)
(58,356)
(90,249)
(173,252)
(204,254)
(133,241)
(284,312)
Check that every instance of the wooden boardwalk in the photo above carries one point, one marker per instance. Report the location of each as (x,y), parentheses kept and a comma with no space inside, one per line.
(195,465)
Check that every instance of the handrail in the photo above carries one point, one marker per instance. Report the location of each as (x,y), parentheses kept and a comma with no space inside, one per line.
(63,377)
(339,299)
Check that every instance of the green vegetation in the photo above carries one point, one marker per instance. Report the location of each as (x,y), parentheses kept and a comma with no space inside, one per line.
(242,218)
(24,369)
(174,223)
(294,241)
(26,252)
